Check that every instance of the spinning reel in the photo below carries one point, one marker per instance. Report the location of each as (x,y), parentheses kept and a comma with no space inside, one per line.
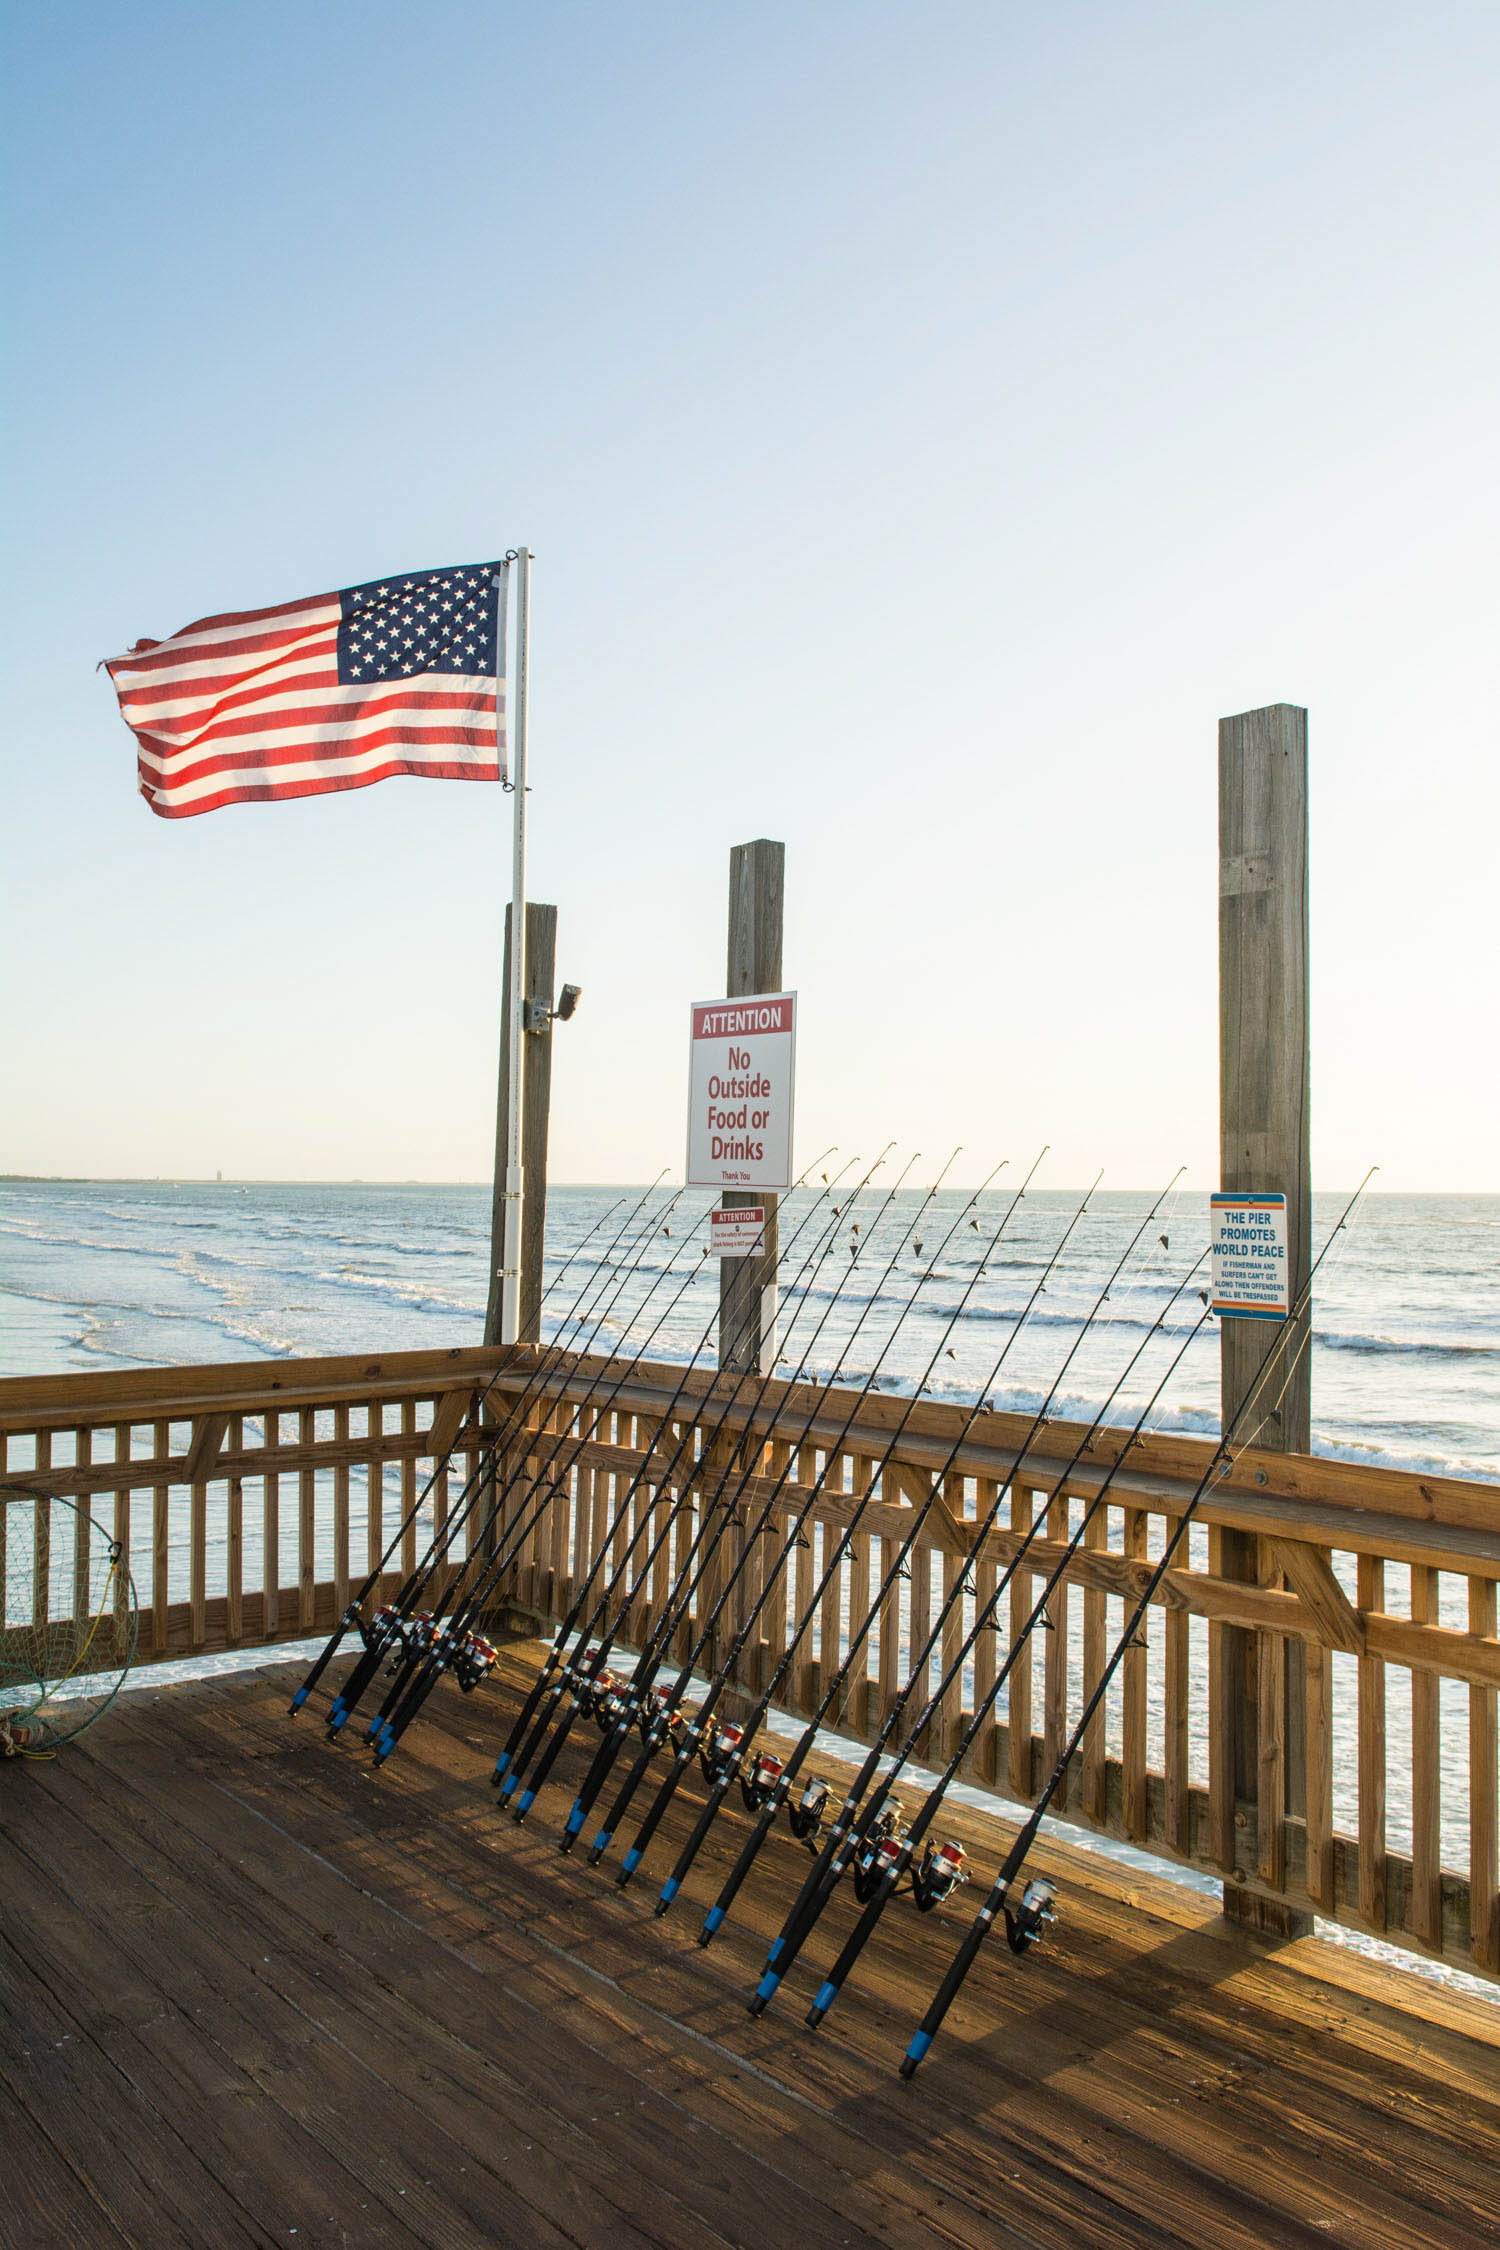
(759,1781)
(939,1872)
(472,1661)
(1025,1923)
(598,1696)
(805,1818)
(879,1852)
(718,1748)
(397,1638)
(657,1723)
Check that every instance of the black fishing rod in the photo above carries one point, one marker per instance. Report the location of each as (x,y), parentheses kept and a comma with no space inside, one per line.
(767,1781)
(807,1816)
(432,1657)
(812,1897)
(1025,1922)
(880,1855)
(713,1526)
(693,1734)
(665,1728)
(351,1613)
(397,1716)
(399,1620)
(514,1758)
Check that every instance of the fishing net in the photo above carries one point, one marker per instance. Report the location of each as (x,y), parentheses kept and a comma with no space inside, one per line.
(69,1622)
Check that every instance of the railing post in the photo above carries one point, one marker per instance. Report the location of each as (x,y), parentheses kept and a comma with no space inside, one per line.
(1264,1145)
(757,875)
(541,957)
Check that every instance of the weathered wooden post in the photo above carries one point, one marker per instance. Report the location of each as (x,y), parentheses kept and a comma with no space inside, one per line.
(1258,1681)
(536,1094)
(757,879)
(541,956)
(747,1317)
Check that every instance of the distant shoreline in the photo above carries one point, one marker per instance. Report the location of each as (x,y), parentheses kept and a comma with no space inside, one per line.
(168,1179)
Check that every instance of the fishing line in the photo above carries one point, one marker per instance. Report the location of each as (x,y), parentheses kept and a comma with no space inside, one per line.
(515,1757)
(1025,1921)
(717,1515)
(694,1733)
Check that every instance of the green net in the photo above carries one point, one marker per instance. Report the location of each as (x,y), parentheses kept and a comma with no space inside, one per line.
(69,1622)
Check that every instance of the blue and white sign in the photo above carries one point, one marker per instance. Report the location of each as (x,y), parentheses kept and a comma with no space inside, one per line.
(1249,1269)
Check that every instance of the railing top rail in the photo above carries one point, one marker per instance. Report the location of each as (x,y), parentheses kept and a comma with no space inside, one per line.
(1370,1509)
(1158,1463)
(143,1394)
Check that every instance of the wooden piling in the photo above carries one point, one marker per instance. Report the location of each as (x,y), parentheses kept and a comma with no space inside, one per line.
(1261,1719)
(541,958)
(757,874)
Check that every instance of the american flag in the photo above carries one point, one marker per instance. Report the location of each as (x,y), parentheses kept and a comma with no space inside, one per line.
(399,676)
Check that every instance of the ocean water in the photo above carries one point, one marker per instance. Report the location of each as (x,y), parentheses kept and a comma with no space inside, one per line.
(1405,1354)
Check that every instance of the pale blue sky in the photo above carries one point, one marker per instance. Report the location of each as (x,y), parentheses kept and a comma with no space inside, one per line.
(928,421)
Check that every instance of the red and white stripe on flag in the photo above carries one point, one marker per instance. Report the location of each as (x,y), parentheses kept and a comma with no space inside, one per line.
(336,692)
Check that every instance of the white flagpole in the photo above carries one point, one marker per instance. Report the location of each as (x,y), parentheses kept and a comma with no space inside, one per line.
(510,1270)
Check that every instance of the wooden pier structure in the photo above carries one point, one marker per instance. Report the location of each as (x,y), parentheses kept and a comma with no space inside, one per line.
(258,1994)
(259,1986)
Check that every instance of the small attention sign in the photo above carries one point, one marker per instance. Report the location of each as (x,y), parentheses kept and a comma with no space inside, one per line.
(1249,1269)
(738,1232)
(740,1082)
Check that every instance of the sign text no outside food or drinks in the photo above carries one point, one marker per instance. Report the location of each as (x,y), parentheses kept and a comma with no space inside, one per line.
(740,1088)
(1248,1270)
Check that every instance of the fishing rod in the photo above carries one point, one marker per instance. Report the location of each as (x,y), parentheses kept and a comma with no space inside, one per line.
(1025,1922)
(693,1734)
(396,1716)
(766,1778)
(713,1526)
(812,1897)
(880,1855)
(351,1613)
(397,1625)
(514,1758)
(439,1648)
(806,1817)
(666,1728)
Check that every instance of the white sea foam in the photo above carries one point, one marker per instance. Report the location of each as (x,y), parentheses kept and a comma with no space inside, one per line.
(1407,1335)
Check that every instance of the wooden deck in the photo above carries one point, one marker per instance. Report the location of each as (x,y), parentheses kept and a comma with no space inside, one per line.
(256,1994)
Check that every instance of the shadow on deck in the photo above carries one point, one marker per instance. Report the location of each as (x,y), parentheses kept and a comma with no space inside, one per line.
(255,1993)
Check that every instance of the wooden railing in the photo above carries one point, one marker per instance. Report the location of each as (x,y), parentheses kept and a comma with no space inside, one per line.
(253,1498)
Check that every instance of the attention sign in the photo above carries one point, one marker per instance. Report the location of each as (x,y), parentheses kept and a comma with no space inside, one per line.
(738,1232)
(740,1083)
(1250,1275)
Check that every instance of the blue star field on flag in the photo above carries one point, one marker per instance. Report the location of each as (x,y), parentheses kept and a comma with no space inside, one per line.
(429,621)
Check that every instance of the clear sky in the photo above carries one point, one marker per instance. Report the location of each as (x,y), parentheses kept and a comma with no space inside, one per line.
(928,421)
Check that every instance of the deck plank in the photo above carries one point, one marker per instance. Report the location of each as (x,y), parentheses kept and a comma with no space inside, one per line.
(338,1984)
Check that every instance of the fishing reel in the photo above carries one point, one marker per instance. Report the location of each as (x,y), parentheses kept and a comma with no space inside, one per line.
(718,1750)
(405,1639)
(592,1693)
(940,1871)
(878,1853)
(657,1722)
(805,1818)
(608,1703)
(759,1780)
(472,1661)
(1025,1923)
(589,1691)
(381,1630)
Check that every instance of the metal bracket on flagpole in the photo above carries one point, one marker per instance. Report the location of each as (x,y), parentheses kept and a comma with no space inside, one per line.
(510,1267)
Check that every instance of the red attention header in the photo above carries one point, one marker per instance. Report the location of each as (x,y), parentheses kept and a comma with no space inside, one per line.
(742,1019)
